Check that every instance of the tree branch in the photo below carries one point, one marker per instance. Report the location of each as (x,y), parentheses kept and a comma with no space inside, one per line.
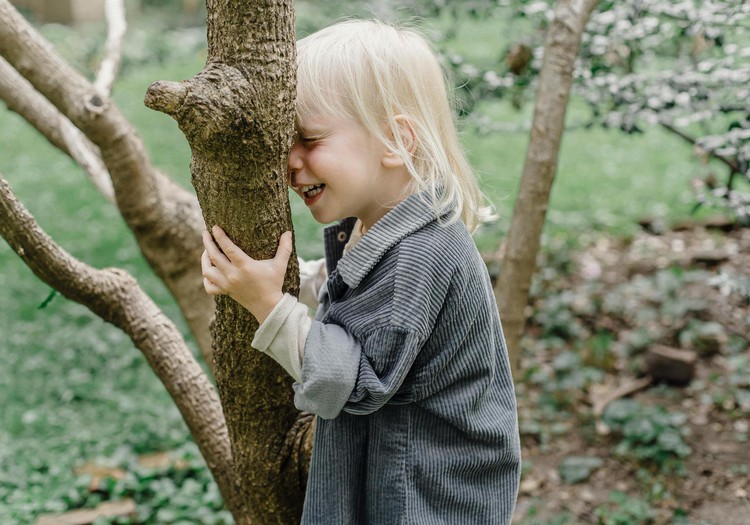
(22,98)
(115,296)
(731,163)
(110,65)
(298,447)
(164,217)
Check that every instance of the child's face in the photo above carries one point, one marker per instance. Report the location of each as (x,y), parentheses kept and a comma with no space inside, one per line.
(336,166)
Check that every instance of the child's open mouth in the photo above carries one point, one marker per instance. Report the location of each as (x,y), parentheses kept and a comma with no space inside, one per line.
(311,192)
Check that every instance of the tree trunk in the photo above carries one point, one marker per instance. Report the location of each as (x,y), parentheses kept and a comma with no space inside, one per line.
(524,237)
(238,117)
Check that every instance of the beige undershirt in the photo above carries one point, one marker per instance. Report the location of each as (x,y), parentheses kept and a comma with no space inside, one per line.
(284,332)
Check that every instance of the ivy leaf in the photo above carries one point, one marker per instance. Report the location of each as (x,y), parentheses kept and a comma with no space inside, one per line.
(48,300)
(575,469)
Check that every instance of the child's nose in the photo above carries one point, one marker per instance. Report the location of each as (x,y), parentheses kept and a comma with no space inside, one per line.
(295,161)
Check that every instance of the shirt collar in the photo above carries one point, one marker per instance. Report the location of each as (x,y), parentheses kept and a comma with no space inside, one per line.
(407,217)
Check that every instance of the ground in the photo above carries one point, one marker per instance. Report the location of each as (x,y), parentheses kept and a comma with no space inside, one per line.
(600,312)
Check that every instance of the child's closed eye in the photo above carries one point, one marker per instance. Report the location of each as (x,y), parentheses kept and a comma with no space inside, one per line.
(309,137)
(307,140)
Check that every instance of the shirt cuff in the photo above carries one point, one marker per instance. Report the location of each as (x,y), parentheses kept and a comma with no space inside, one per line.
(273,323)
(283,335)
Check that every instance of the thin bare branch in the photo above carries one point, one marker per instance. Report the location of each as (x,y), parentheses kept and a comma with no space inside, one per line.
(730,163)
(110,65)
(154,208)
(22,98)
(114,295)
(87,155)
(601,401)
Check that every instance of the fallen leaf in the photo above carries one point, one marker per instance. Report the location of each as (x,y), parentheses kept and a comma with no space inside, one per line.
(109,509)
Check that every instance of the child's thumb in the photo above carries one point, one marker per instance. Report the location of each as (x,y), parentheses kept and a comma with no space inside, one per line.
(285,248)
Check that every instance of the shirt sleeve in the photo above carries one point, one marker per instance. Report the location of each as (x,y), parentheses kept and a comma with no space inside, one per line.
(282,335)
(312,275)
(340,373)
(387,356)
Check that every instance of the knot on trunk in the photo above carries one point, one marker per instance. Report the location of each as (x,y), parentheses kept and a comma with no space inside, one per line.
(166,97)
(218,103)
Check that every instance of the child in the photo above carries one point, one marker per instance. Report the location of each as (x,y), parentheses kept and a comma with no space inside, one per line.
(405,363)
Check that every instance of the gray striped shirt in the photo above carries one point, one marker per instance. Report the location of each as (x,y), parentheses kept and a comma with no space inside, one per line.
(407,368)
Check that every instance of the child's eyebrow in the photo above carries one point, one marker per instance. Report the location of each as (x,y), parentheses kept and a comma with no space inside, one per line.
(309,129)
(301,129)
(317,133)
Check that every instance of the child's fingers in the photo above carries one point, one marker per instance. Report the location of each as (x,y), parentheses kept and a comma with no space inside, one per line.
(215,257)
(211,272)
(210,275)
(206,264)
(285,249)
(211,288)
(232,252)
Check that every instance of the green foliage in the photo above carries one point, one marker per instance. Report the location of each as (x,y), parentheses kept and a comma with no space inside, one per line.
(156,39)
(52,294)
(623,509)
(656,305)
(557,317)
(649,433)
(706,338)
(599,351)
(731,283)
(575,469)
(564,383)
(682,66)
(181,492)
(730,392)
(532,515)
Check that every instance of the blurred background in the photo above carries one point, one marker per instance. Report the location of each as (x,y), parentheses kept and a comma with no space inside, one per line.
(646,251)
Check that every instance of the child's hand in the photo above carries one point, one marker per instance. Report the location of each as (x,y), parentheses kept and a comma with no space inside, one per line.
(256,285)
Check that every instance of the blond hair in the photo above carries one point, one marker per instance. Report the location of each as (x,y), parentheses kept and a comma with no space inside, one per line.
(372,72)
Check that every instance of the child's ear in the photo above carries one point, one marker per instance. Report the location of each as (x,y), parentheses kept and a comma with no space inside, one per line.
(392,157)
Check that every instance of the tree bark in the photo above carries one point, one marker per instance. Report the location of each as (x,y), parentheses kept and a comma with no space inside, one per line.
(238,117)
(164,218)
(524,237)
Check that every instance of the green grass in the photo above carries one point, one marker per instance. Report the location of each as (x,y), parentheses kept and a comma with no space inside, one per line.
(606,181)
(74,389)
